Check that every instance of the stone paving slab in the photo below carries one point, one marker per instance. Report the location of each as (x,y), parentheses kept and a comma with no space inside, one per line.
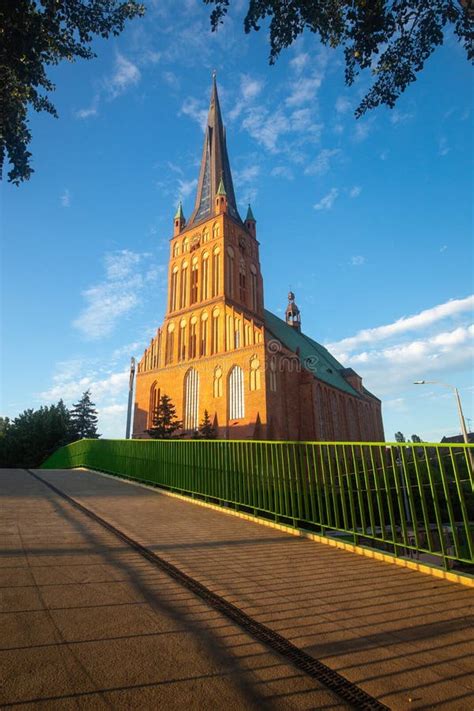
(87,623)
(404,637)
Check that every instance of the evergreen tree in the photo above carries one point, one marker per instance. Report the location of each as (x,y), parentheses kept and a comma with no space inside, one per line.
(84,418)
(399,437)
(165,422)
(206,428)
(415,438)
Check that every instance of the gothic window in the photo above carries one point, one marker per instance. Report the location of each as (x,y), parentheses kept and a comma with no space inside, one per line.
(242,282)
(184,285)
(205,277)
(194,280)
(169,344)
(176,249)
(191,399)
(185,245)
(273,375)
(254,373)
(215,231)
(236,393)
(182,340)
(230,272)
(253,288)
(154,402)
(215,272)
(247,334)
(203,344)
(215,332)
(193,338)
(205,235)
(217,384)
(174,290)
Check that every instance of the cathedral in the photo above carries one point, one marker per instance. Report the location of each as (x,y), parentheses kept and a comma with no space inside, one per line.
(220,350)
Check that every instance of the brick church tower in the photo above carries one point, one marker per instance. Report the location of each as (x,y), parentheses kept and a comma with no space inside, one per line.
(219,350)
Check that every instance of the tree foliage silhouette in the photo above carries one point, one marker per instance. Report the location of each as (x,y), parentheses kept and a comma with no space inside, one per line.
(165,423)
(84,418)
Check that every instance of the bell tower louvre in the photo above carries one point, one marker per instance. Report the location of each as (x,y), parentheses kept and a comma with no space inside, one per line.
(219,350)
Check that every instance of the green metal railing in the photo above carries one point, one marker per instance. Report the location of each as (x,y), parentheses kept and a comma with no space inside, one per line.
(412,500)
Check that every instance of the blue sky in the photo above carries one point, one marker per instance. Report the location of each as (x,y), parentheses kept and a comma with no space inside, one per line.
(368,221)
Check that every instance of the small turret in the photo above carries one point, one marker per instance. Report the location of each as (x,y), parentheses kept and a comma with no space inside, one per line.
(221,198)
(292,314)
(250,222)
(179,220)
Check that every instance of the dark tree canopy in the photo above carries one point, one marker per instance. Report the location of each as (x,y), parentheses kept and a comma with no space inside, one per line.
(30,438)
(206,429)
(392,38)
(33,35)
(84,418)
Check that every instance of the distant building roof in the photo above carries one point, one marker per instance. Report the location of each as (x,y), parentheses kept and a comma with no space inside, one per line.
(458,438)
(314,357)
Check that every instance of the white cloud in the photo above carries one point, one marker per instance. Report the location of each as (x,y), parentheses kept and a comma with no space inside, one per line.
(399,117)
(282,171)
(86,113)
(304,90)
(327,201)
(355,191)
(126,274)
(186,187)
(322,162)
(299,62)
(358,261)
(443,147)
(266,129)
(126,74)
(343,105)
(66,198)
(246,175)
(194,109)
(362,130)
(407,323)
(250,87)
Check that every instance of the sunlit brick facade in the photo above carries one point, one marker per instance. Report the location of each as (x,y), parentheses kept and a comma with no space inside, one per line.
(219,350)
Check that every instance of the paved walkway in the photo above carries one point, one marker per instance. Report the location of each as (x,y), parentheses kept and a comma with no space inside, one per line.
(87,621)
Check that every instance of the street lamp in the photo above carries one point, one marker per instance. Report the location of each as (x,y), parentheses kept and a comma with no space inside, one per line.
(458,401)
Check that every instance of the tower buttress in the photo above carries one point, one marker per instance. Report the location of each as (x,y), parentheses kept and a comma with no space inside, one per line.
(179,220)
(221,199)
(250,222)
(292,314)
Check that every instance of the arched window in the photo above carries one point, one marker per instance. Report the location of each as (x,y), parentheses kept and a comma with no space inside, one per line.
(176,249)
(236,393)
(273,376)
(169,344)
(247,334)
(217,385)
(194,280)
(216,278)
(203,343)
(205,235)
(154,402)
(193,337)
(237,333)
(174,290)
(215,231)
(253,288)
(215,331)
(184,285)
(182,340)
(185,245)
(230,272)
(205,277)
(242,282)
(255,377)
(191,399)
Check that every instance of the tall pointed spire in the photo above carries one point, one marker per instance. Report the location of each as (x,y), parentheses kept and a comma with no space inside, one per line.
(215,167)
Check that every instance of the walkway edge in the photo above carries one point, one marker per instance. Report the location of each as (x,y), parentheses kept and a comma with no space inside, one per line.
(466,579)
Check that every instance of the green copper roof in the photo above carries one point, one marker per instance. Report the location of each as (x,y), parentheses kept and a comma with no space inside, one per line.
(314,357)
(250,217)
(179,212)
(221,188)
